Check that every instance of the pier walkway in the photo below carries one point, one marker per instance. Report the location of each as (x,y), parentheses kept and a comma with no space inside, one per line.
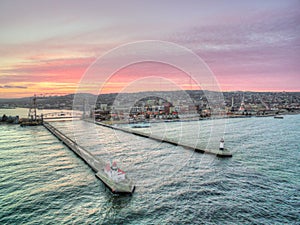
(222,154)
(97,165)
(90,159)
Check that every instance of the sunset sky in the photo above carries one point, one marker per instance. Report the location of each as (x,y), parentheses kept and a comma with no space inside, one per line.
(46,46)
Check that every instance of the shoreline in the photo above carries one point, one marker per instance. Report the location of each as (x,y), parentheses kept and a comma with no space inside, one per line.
(116,122)
(189,119)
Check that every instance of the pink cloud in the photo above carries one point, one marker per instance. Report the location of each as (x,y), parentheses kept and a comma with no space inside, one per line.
(62,70)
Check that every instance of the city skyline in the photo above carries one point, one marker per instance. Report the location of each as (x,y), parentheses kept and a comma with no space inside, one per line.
(47,46)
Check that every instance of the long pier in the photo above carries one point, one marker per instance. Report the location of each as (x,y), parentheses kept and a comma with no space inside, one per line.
(222,154)
(96,164)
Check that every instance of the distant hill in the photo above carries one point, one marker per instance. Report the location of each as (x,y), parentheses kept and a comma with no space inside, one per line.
(66,101)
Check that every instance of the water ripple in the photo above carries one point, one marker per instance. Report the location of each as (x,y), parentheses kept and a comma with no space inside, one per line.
(43,182)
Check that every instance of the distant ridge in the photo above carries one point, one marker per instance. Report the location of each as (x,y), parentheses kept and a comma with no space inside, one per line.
(87,95)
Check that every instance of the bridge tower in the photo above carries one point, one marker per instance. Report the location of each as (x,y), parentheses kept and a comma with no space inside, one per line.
(32,110)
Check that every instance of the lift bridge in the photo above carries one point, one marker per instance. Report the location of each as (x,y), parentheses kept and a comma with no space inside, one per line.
(52,115)
(62,115)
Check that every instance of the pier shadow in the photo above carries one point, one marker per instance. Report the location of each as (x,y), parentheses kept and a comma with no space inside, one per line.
(118,202)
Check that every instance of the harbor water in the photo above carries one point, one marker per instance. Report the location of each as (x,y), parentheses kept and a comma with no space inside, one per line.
(43,182)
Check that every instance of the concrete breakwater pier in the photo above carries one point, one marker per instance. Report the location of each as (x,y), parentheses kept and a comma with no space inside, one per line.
(219,153)
(116,187)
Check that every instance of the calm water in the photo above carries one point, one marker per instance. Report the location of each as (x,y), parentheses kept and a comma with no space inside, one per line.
(43,182)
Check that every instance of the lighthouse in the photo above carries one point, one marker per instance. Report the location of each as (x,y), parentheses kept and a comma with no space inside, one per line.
(221,144)
(114,172)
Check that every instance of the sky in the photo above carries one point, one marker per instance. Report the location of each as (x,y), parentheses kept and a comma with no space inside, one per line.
(46,47)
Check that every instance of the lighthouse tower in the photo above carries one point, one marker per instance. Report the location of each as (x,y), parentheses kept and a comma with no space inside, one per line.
(221,144)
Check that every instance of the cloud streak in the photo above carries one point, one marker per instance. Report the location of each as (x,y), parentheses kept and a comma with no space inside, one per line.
(12,87)
(266,44)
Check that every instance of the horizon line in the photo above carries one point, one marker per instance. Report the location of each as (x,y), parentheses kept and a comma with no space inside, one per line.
(57,95)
